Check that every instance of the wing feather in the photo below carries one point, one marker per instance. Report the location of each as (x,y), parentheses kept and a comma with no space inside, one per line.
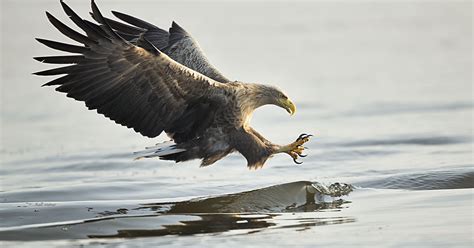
(140,89)
(62,46)
(124,28)
(134,21)
(68,31)
(91,32)
(72,59)
(177,43)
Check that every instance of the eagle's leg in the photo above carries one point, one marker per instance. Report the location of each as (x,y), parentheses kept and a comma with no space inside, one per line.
(296,148)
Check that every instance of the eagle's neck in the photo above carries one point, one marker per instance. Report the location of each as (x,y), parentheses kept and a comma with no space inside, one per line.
(247,108)
(250,98)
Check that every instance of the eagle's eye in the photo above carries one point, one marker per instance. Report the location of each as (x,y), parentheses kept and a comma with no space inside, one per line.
(283,96)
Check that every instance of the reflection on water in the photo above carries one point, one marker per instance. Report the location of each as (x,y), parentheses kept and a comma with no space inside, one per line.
(255,210)
(219,223)
(219,214)
(208,223)
(296,197)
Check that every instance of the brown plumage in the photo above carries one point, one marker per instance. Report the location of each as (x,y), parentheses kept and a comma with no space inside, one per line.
(152,80)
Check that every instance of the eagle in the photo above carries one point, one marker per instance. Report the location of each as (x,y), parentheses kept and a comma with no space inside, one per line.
(152,80)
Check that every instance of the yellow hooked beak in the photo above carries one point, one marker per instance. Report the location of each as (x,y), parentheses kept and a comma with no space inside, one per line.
(289,106)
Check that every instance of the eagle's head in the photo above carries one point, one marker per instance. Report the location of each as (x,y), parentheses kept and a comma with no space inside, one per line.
(268,94)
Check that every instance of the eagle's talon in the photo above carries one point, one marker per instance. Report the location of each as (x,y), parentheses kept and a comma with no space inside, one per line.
(296,161)
(304,137)
(301,136)
(295,149)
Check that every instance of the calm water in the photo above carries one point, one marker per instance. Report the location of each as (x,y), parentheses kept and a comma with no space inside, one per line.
(386,87)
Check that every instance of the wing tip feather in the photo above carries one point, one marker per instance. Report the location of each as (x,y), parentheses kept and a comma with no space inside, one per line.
(40,59)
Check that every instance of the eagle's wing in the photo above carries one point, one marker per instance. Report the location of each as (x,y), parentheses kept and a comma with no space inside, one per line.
(177,43)
(143,90)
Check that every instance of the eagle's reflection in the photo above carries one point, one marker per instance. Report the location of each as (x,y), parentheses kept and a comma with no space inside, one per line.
(208,223)
(219,223)
(296,205)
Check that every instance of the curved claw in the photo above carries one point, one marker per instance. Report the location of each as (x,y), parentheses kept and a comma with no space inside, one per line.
(296,148)
(296,161)
(303,136)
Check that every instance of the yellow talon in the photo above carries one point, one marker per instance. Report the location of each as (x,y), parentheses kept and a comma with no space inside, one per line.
(296,148)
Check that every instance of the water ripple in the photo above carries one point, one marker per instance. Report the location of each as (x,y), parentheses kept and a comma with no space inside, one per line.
(431,180)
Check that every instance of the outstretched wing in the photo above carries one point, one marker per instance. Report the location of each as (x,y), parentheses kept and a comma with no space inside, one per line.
(140,89)
(177,43)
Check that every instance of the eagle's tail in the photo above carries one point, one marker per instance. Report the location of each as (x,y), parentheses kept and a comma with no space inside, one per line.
(161,150)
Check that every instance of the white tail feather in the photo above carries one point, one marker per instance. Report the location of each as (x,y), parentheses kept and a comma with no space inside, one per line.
(156,147)
(158,150)
(160,145)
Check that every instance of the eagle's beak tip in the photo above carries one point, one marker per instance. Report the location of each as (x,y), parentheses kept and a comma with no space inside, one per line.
(288,105)
(291,108)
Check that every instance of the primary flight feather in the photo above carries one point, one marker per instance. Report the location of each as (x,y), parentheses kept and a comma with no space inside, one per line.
(153,80)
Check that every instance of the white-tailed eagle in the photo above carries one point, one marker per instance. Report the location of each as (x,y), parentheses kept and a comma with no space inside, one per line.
(155,81)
